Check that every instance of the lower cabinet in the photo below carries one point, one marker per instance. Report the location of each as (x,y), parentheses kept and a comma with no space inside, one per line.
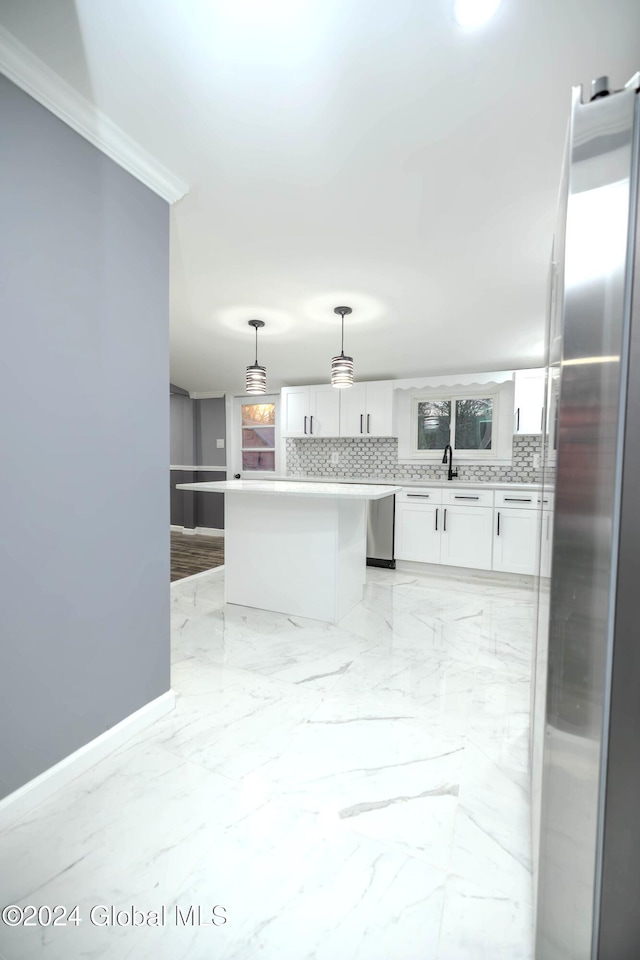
(516,540)
(467,537)
(417,535)
(546,543)
(459,536)
(433,527)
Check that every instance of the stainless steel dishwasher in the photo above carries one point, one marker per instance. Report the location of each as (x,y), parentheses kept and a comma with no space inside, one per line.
(380,532)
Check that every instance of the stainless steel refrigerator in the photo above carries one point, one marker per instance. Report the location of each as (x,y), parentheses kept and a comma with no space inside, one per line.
(586,730)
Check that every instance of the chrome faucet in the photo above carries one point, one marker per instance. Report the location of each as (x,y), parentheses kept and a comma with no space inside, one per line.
(452,473)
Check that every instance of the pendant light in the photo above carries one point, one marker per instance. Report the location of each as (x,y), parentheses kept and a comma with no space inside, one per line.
(342,367)
(256,375)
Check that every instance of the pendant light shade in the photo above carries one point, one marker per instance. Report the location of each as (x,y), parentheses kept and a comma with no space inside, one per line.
(256,380)
(342,367)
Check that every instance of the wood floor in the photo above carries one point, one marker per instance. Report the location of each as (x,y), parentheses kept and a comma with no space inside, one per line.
(193,554)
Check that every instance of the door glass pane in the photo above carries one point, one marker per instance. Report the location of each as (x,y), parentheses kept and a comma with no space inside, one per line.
(434,424)
(258,414)
(258,437)
(474,422)
(259,460)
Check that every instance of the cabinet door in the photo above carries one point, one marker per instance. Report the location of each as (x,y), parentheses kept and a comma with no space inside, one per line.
(379,408)
(529,401)
(324,411)
(417,534)
(352,410)
(295,411)
(547,543)
(516,540)
(467,537)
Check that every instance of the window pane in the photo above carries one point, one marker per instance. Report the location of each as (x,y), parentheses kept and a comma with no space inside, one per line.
(258,414)
(434,424)
(474,420)
(258,460)
(258,437)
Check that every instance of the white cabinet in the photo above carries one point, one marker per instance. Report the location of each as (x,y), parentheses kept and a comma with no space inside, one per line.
(431,527)
(294,411)
(418,525)
(324,411)
(529,401)
(516,540)
(312,411)
(546,543)
(467,536)
(366,409)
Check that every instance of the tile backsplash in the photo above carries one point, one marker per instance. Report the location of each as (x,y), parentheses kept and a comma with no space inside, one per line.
(377,458)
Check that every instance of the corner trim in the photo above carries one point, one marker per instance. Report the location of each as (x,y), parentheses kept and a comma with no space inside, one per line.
(33,76)
(36,791)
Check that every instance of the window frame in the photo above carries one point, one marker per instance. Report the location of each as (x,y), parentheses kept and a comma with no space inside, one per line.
(452,396)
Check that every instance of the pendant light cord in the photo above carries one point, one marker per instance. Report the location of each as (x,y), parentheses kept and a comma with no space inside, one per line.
(342,344)
(256,346)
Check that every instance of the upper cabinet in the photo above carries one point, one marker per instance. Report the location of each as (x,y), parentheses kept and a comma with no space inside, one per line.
(363,410)
(529,401)
(366,409)
(310,411)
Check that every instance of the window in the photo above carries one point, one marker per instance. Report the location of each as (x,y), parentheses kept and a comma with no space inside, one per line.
(259,436)
(466,422)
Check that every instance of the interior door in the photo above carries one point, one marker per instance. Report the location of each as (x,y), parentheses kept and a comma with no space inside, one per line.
(255,452)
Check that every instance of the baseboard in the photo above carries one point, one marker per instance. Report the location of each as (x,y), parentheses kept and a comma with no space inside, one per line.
(36,791)
(201,531)
(196,576)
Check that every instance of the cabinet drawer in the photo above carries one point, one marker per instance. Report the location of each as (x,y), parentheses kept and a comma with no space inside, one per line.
(520,499)
(420,495)
(468,498)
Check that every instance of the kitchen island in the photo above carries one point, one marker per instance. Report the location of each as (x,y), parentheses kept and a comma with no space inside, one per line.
(295,547)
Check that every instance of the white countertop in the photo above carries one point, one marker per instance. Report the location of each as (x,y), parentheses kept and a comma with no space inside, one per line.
(297,488)
(444,484)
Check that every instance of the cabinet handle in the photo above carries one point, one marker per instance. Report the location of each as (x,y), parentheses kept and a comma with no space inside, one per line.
(542,420)
(311,424)
(517,419)
(518,499)
(361,418)
(444,526)
(498,530)
(424,496)
(305,424)
(436,518)
(368,426)
(461,497)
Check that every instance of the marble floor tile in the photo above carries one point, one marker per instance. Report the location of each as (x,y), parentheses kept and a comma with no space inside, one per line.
(356,791)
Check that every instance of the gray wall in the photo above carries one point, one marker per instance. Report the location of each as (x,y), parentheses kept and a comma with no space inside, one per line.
(210,426)
(84,591)
(182,449)
(196,425)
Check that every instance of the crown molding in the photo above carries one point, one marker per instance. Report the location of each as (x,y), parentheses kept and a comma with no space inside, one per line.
(33,76)
(205,395)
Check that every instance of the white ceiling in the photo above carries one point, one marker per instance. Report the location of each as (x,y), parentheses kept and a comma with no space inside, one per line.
(367,152)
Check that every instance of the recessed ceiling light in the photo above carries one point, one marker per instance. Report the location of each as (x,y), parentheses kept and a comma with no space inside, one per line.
(473,13)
